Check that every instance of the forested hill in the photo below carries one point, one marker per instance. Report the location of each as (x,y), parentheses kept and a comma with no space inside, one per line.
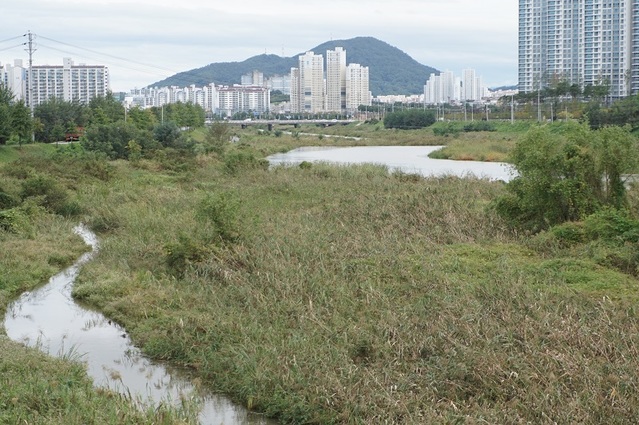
(391,70)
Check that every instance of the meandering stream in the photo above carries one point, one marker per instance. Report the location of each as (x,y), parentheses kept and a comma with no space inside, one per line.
(48,318)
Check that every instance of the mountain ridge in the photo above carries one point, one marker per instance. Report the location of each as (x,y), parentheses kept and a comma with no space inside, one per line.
(392,71)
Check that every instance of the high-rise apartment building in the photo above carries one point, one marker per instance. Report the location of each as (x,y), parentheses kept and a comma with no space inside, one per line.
(585,42)
(471,86)
(243,99)
(14,77)
(343,85)
(68,82)
(279,82)
(336,80)
(255,78)
(307,84)
(357,87)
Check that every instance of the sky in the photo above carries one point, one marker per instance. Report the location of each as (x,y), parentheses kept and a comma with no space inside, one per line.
(144,41)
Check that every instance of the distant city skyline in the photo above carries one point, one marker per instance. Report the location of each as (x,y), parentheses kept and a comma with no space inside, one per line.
(174,37)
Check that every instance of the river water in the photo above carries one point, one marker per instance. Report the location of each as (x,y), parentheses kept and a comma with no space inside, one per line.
(407,159)
(48,318)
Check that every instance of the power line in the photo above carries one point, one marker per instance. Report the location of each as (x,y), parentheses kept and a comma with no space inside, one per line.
(111,56)
(123,62)
(12,38)
(93,58)
(12,47)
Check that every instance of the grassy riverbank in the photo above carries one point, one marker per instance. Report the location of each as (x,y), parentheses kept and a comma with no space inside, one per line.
(348,295)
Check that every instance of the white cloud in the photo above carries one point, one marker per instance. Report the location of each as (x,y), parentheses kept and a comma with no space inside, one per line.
(181,35)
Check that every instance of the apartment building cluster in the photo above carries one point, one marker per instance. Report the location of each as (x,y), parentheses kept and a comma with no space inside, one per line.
(280,83)
(223,100)
(446,88)
(342,88)
(67,82)
(587,42)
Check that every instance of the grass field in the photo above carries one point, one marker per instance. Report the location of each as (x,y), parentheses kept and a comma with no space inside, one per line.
(350,295)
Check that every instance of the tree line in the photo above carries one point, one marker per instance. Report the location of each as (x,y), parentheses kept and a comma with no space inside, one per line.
(15,119)
(104,122)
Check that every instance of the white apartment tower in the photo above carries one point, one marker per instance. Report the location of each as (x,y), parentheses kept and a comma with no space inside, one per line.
(336,80)
(15,79)
(68,82)
(255,78)
(307,84)
(471,86)
(586,42)
(442,88)
(357,87)
(243,99)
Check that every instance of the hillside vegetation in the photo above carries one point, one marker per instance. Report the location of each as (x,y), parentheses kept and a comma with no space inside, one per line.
(391,70)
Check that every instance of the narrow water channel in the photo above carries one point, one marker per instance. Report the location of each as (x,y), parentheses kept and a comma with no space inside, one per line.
(48,318)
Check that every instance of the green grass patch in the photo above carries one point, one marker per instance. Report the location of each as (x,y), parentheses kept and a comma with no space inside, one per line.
(12,153)
(350,295)
(490,147)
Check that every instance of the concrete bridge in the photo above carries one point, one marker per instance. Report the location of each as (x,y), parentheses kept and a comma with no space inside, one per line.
(295,123)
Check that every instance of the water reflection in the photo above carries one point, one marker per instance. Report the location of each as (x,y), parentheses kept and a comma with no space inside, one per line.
(49,319)
(408,159)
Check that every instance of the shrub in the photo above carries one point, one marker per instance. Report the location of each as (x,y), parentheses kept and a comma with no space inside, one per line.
(175,160)
(220,210)
(103,221)
(480,126)
(612,225)
(7,201)
(409,120)
(557,181)
(15,220)
(47,192)
(568,234)
(181,254)
(445,129)
(240,160)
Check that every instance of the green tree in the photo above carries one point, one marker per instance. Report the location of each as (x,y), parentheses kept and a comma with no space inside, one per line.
(5,123)
(143,119)
(216,137)
(409,120)
(182,114)
(6,98)
(56,114)
(105,110)
(169,135)
(113,139)
(555,179)
(6,95)
(617,152)
(21,122)
(567,176)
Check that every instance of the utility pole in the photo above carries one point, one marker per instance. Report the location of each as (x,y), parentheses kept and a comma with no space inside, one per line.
(512,109)
(539,101)
(30,49)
